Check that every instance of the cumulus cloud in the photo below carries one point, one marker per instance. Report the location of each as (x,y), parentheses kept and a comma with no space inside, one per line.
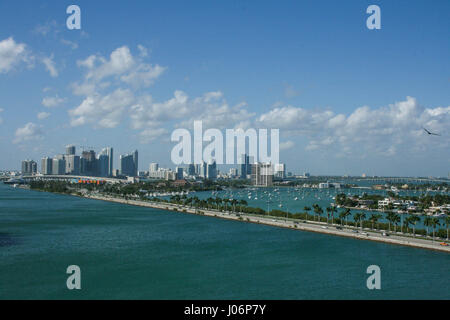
(50,66)
(121,66)
(51,102)
(102,111)
(28,132)
(384,131)
(12,54)
(43,115)
(211,108)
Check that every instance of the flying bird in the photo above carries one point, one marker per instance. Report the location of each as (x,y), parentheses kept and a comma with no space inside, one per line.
(430,133)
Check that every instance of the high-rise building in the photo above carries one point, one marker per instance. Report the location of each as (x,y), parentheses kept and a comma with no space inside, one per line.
(72,164)
(59,166)
(70,150)
(105,162)
(179,173)
(191,169)
(129,164)
(88,163)
(280,170)
(202,168)
(245,168)
(153,167)
(102,165)
(29,167)
(136,162)
(262,174)
(46,165)
(211,170)
(109,151)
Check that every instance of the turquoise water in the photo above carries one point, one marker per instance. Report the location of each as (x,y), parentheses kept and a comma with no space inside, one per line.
(127,252)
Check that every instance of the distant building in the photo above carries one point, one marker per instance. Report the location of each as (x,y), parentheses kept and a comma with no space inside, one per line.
(58,166)
(280,171)
(46,166)
(211,170)
(70,150)
(179,173)
(72,164)
(29,167)
(153,167)
(245,168)
(233,172)
(262,174)
(191,169)
(129,164)
(88,163)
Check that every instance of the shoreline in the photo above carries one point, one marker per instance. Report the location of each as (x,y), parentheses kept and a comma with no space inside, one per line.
(317,227)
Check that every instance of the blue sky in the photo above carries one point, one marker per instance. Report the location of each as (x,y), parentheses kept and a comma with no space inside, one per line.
(347,100)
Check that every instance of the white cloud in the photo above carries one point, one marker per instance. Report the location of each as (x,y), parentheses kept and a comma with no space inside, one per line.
(69,43)
(286,145)
(43,115)
(29,132)
(121,67)
(51,102)
(143,51)
(13,54)
(384,131)
(102,111)
(50,66)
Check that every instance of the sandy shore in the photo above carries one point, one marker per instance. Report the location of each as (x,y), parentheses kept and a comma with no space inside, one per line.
(320,227)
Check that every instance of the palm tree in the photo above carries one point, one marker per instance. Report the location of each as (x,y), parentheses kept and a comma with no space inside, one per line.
(307,209)
(363,216)
(435,222)
(406,222)
(328,209)
(396,220)
(333,211)
(390,217)
(357,217)
(347,213)
(447,223)
(342,216)
(413,220)
(318,210)
(427,223)
(374,219)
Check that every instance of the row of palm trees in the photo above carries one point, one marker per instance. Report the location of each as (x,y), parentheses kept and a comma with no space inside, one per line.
(358,217)
(392,218)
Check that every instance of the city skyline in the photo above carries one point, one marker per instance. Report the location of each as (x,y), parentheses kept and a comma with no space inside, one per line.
(347,100)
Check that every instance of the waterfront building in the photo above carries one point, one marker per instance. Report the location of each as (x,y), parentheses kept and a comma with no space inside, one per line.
(154,167)
(280,170)
(72,164)
(191,169)
(46,165)
(88,163)
(29,167)
(245,166)
(129,164)
(211,170)
(59,166)
(179,173)
(262,174)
